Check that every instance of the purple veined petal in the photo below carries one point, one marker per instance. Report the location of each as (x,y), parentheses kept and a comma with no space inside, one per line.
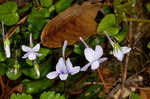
(95,65)
(52,75)
(36,48)
(38,54)
(25,55)
(84,68)
(118,54)
(7,51)
(60,66)
(32,56)
(63,76)
(125,49)
(64,47)
(89,54)
(75,70)
(98,52)
(25,48)
(69,64)
(101,60)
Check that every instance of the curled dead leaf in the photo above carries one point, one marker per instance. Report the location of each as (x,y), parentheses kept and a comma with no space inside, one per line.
(76,21)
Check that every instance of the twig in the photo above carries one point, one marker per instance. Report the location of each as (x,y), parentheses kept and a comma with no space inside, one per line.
(2,86)
(14,29)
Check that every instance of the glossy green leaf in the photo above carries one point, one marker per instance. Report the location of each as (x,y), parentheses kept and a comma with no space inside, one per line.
(37,86)
(108,21)
(11,74)
(61,5)
(46,3)
(30,72)
(51,95)
(8,13)
(2,55)
(44,52)
(20,96)
(112,31)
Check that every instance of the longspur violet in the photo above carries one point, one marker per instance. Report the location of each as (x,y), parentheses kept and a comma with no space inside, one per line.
(118,51)
(63,67)
(6,42)
(31,52)
(93,56)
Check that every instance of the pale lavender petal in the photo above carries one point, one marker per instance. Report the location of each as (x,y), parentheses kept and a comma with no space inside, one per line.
(25,48)
(84,68)
(75,70)
(36,48)
(69,64)
(38,54)
(60,66)
(7,51)
(63,76)
(95,65)
(101,60)
(52,75)
(32,56)
(118,54)
(98,52)
(25,55)
(89,54)
(125,49)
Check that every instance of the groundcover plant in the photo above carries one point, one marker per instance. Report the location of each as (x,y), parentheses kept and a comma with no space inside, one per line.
(74,49)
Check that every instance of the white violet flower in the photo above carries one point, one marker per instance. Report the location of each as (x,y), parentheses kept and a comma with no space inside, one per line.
(118,51)
(6,43)
(63,67)
(93,56)
(31,52)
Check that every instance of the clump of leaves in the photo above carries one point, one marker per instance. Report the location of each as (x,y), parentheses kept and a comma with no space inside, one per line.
(20,96)
(51,95)
(8,13)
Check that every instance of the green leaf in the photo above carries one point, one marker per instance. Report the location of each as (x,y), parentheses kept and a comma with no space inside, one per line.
(121,36)
(148,7)
(51,95)
(3,69)
(37,20)
(8,13)
(20,96)
(44,52)
(108,21)
(61,5)
(30,72)
(37,86)
(134,96)
(112,31)
(148,45)
(11,74)
(46,3)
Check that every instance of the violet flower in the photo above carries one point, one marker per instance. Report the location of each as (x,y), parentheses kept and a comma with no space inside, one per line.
(63,67)
(93,56)
(118,51)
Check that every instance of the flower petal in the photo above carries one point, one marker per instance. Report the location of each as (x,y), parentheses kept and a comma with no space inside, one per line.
(98,52)
(101,60)
(118,54)
(95,65)
(32,56)
(7,51)
(36,48)
(69,64)
(75,70)
(60,66)
(52,75)
(89,54)
(38,54)
(84,68)
(63,76)
(25,55)
(125,49)
(25,48)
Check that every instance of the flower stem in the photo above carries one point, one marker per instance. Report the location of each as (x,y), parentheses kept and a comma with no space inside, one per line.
(3,32)
(84,42)
(64,47)
(111,42)
(31,43)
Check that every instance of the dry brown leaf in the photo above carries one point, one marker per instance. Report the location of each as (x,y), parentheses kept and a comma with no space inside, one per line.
(76,21)
(145,94)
